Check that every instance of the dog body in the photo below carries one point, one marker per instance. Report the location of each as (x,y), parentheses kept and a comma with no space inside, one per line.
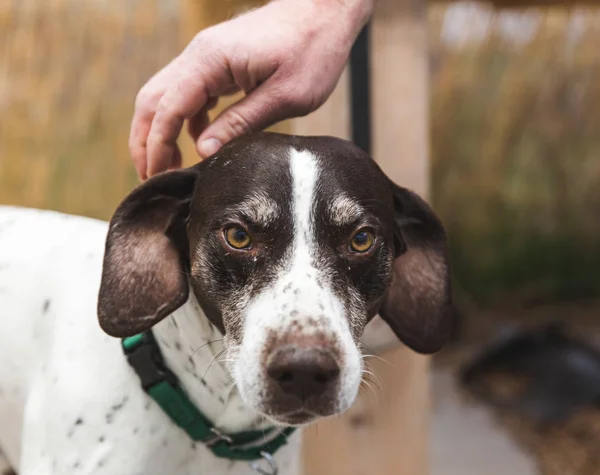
(69,401)
(257,271)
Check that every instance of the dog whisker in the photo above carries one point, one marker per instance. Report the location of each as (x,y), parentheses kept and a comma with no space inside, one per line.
(369,389)
(370,373)
(371,378)
(205,344)
(213,361)
(371,354)
(379,358)
(371,386)
(367,370)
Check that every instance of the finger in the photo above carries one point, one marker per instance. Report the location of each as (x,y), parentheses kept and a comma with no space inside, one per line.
(198,124)
(140,128)
(260,109)
(144,110)
(200,121)
(180,102)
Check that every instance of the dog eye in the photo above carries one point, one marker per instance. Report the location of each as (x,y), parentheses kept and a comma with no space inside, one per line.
(362,241)
(237,238)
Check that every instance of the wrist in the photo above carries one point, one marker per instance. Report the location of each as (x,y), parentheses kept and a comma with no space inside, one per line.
(353,14)
(359,10)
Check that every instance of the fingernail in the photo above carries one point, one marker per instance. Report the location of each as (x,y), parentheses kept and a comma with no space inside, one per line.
(209,147)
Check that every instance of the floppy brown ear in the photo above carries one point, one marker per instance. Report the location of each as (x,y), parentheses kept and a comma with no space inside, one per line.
(146,255)
(418,304)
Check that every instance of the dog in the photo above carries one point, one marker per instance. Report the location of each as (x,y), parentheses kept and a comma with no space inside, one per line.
(249,277)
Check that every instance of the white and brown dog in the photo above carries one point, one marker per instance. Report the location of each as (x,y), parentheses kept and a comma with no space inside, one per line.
(256,271)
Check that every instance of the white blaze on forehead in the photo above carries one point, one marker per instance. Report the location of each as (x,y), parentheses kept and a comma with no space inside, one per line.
(301,300)
(303,166)
(344,210)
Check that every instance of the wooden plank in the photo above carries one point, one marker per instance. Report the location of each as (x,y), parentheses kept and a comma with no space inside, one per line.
(385,432)
(401,92)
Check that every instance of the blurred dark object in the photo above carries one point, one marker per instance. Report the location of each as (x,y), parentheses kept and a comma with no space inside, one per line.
(541,374)
(360,87)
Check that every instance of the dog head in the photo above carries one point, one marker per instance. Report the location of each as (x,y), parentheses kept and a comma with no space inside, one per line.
(291,246)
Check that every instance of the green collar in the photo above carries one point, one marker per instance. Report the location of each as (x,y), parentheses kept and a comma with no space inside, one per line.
(145,357)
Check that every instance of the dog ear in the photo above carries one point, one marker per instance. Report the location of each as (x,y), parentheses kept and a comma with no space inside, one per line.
(146,255)
(418,304)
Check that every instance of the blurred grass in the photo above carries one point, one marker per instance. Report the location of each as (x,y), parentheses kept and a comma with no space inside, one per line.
(516,170)
(69,73)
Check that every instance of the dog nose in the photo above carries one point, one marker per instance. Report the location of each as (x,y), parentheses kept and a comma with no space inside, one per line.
(303,372)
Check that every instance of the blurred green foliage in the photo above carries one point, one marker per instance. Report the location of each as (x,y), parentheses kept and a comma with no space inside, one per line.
(516,165)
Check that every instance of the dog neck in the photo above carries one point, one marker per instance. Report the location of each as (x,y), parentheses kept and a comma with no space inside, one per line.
(192,348)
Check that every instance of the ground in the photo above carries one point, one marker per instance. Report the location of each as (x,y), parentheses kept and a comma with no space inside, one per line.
(471,439)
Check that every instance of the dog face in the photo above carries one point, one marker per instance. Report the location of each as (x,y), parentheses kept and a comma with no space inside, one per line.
(291,246)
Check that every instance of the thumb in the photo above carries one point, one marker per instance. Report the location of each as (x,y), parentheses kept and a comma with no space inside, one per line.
(258,110)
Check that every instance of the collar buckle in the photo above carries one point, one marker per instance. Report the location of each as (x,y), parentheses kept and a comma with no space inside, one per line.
(144,355)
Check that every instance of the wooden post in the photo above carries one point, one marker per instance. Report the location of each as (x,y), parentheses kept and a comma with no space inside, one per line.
(385,432)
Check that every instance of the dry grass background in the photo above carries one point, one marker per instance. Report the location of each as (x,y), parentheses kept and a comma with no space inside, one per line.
(516,152)
(69,73)
(516,171)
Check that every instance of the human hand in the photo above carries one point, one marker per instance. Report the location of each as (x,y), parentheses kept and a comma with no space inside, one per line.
(286,56)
